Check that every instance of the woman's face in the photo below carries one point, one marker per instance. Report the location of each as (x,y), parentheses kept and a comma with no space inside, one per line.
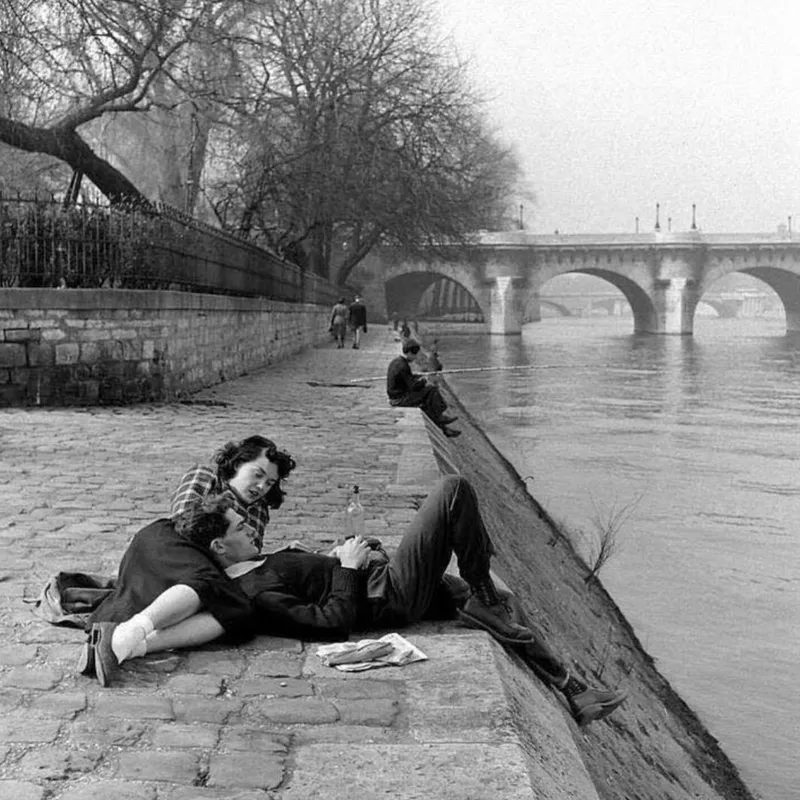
(254,479)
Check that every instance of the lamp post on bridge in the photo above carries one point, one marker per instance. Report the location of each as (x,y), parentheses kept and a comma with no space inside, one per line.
(658,211)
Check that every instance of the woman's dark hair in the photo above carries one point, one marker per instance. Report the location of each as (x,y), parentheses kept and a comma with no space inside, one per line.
(230,457)
(204,522)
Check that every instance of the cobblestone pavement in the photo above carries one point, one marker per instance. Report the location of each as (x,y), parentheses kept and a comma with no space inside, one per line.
(218,722)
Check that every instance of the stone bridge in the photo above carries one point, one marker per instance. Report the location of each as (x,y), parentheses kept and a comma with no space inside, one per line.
(663,276)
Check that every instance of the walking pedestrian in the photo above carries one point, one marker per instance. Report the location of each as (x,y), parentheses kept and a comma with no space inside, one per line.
(339,317)
(358,320)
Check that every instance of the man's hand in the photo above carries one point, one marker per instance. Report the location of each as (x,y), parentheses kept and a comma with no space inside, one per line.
(353,554)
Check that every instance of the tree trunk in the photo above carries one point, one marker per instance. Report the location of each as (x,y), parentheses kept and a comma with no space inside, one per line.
(66,145)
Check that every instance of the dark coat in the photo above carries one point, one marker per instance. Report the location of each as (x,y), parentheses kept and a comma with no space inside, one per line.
(358,315)
(400,380)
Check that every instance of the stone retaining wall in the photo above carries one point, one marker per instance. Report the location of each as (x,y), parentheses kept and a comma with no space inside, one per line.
(98,346)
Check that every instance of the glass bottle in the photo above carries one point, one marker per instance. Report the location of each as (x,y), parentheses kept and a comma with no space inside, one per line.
(354,518)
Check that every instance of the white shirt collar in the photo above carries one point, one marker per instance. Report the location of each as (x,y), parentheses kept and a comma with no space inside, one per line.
(243,567)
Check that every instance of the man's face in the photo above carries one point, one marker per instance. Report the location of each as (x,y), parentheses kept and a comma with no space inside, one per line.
(411,355)
(239,539)
(254,479)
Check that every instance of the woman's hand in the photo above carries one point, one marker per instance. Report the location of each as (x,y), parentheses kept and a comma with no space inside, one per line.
(353,554)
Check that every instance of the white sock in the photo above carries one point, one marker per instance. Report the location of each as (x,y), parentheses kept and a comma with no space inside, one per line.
(139,649)
(128,637)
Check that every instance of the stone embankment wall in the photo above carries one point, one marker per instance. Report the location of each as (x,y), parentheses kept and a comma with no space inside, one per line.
(92,347)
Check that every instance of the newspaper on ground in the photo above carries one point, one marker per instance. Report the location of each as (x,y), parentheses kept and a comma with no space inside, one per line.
(391,650)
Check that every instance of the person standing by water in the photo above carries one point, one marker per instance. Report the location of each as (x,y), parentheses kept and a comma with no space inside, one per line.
(339,317)
(358,320)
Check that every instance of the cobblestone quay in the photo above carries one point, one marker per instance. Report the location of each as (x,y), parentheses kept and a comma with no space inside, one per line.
(266,720)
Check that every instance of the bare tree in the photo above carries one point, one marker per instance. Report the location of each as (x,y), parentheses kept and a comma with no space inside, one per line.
(367,131)
(320,127)
(67,64)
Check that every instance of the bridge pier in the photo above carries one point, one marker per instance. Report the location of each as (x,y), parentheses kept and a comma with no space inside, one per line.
(676,300)
(505,307)
(675,303)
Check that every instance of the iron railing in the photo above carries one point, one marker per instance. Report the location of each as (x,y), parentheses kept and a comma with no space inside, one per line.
(44,243)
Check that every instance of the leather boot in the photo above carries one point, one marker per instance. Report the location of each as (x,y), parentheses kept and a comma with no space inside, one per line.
(594,704)
(495,619)
(588,705)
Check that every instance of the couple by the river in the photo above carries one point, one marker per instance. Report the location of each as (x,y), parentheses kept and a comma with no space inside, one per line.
(200,576)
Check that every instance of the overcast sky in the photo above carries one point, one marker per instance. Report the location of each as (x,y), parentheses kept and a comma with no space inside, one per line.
(615,105)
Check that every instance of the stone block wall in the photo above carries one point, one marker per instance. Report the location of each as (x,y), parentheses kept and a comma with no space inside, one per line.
(97,346)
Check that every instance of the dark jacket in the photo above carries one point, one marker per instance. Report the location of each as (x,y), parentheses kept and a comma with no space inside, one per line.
(306,596)
(358,315)
(400,380)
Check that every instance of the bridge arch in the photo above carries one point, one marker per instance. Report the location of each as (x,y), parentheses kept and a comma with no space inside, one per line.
(420,294)
(727,309)
(645,314)
(406,283)
(563,311)
(781,277)
(606,305)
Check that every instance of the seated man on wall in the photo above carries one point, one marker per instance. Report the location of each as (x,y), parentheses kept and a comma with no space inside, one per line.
(406,389)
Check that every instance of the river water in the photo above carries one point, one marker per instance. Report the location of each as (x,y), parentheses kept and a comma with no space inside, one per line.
(697,439)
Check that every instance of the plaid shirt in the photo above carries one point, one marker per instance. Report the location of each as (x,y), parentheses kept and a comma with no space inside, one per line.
(199,482)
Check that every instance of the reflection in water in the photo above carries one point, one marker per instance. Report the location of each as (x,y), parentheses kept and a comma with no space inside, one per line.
(704,430)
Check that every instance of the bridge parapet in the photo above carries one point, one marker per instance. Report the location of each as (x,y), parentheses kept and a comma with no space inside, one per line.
(514,239)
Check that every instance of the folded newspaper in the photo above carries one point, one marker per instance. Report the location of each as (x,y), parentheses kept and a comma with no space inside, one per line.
(391,650)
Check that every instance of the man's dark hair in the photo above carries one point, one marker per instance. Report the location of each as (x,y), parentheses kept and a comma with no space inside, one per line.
(204,522)
(230,457)
(411,346)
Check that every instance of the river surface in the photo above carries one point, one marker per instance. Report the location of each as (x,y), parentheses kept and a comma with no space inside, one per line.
(698,440)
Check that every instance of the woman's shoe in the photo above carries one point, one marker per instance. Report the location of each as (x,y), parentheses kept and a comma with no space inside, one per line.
(105,662)
(85,663)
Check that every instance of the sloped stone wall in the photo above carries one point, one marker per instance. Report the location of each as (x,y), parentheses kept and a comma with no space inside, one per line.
(94,347)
